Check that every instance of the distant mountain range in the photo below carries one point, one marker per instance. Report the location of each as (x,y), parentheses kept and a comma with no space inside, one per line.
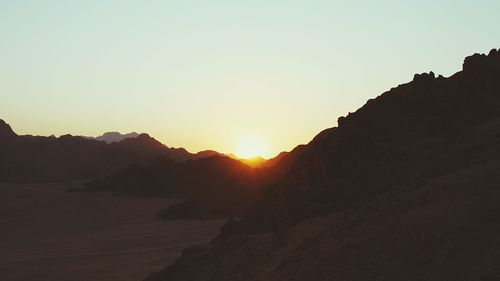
(110,137)
(36,158)
(138,165)
(405,188)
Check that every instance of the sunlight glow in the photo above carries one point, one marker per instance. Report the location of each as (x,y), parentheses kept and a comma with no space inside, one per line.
(252,146)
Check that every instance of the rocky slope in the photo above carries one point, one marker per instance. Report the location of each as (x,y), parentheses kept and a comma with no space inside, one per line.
(405,188)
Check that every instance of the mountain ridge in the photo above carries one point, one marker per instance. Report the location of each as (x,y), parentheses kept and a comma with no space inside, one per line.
(110,137)
(405,188)
(75,158)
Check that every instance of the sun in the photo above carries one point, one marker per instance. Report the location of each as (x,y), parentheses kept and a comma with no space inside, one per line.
(251,146)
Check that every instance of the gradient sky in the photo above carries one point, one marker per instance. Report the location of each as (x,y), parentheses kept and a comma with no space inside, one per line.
(207,74)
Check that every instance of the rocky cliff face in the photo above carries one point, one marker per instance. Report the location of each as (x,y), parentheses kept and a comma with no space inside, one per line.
(405,188)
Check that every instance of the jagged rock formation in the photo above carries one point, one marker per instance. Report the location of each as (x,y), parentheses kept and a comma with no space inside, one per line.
(405,188)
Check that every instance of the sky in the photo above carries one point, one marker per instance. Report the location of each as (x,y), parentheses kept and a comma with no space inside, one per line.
(217,74)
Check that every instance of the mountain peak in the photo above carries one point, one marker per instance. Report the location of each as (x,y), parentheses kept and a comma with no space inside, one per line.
(110,137)
(6,130)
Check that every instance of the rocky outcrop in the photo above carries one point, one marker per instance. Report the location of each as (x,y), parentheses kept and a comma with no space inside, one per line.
(478,64)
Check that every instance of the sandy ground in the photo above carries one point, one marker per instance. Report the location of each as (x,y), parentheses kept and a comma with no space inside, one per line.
(47,234)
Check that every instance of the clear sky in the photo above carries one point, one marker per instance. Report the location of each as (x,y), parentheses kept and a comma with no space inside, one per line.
(212,74)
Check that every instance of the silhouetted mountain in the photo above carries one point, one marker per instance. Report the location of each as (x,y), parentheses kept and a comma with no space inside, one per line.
(259,161)
(6,130)
(155,179)
(217,186)
(280,164)
(204,154)
(35,158)
(272,161)
(110,137)
(256,161)
(405,188)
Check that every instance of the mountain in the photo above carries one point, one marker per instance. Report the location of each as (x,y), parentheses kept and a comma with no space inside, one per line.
(271,162)
(260,162)
(203,154)
(216,186)
(176,154)
(6,131)
(70,158)
(110,137)
(256,161)
(405,188)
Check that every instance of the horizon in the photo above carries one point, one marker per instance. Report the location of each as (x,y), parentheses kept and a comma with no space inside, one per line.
(214,76)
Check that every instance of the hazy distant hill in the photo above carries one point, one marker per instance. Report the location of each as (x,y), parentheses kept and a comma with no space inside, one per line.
(405,188)
(35,158)
(256,161)
(110,137)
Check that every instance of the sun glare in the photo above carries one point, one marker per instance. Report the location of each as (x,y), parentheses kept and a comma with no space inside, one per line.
(251,147)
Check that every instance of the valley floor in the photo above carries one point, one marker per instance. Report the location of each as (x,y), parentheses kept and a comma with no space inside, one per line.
(49,234)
